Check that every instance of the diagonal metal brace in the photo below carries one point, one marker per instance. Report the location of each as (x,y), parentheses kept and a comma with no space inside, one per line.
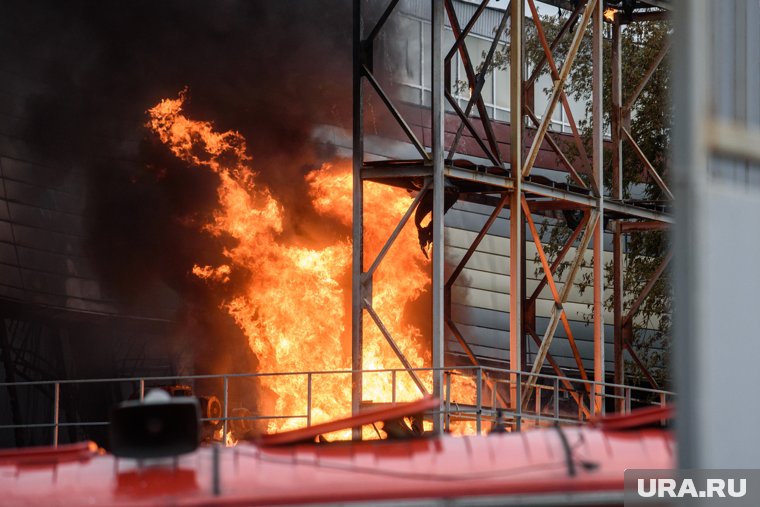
(558,312)
(557,89)
(395,113)
(395,347)
(399,227)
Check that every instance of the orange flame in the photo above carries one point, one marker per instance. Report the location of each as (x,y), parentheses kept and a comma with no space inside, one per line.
(292,308)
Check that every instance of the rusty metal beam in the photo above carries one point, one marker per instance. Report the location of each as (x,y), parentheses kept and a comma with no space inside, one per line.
(563,97)
(394,346)
(645,79)
(562,31)
(460,39)
(650,225)
(557,88)
(481,234)
(647,289)
(556,149)
(516,228)
(641,365)
(647,17)
(563,377)
(560,256)
(617,193)
(476,81)
(617,310)
(598,178)
(647,164)
(551,204)
(558,312)
(473,359)
(465,119)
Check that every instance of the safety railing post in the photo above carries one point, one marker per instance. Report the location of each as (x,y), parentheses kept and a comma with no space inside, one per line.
(556,399)
(56,406)
(518,417)
(592,399)
(447,419)
(226,411)
(393,386)
(493,385)
(308,399)
(627,400)
(538,401)
(479,399)
(142,389)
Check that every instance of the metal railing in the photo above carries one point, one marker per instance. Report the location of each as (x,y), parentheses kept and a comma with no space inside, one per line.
(486,396)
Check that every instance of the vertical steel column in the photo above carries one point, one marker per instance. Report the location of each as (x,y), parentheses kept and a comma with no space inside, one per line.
(598,166)
(479,400)
(393,386)
(523,285)
(447,419)
(617,193)
(308,399)
(225,424)
(357,267)
(438,155)
(515,203)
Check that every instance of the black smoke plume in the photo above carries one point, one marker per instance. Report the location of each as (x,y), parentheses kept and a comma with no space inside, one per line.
(270,69)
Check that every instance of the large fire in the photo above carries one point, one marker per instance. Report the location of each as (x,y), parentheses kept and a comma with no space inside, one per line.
(292,307)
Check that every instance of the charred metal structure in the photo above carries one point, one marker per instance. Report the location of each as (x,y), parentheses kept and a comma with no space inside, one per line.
(507,182)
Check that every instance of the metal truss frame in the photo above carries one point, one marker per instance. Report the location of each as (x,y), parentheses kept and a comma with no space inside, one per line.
(508,184)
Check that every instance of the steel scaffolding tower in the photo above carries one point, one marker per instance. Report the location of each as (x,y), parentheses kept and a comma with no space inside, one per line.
(509,184)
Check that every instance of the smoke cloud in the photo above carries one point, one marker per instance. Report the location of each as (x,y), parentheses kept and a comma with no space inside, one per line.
(268,69)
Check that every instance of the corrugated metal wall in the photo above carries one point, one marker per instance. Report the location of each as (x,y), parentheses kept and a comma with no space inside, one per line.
(57,319)
(480,298)
(43,258)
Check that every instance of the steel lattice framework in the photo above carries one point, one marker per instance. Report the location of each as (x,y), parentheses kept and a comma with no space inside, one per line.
(509,184)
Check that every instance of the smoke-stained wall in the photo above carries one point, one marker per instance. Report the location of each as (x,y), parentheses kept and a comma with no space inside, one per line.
(97,217)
